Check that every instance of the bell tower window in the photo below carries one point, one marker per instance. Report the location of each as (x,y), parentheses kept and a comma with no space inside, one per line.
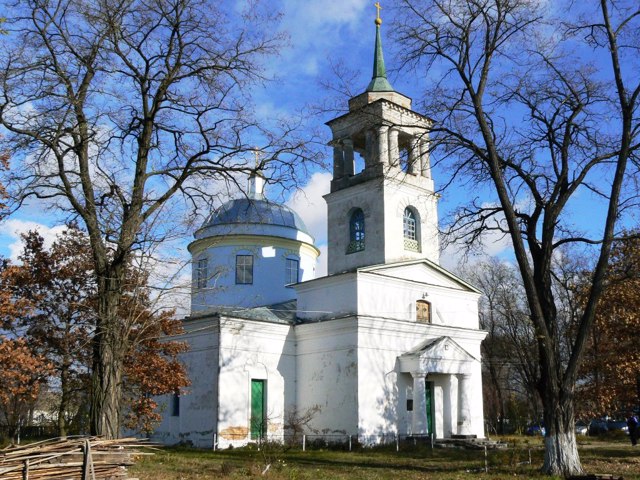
(356,231)
(410,231)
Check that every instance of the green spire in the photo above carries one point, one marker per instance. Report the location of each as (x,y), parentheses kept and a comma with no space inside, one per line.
(379,82)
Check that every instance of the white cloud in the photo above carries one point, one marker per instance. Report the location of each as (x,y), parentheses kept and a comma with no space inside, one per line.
(307,22)
(321,267)
(317,31)
(309,204)
(13,228)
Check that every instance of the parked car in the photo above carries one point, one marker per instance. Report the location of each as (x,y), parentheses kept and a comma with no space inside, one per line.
(582,428)
(618,425)
(535,429)
(600,426)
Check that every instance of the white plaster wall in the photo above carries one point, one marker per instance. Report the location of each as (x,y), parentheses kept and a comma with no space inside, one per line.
(381,400)
(383,202)
(196,423)
(416,192)
(261,351)
(476,406)
(380,295)
(327,368)
(327,297)
(269,271)
(340,204)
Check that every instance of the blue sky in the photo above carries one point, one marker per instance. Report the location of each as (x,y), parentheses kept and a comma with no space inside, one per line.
(321,34)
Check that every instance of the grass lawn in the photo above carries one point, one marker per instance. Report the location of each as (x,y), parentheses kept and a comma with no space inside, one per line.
(615,457)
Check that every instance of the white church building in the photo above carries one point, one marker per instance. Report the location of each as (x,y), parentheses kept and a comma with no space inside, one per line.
(388,343)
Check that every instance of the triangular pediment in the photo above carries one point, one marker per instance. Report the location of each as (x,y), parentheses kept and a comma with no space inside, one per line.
(437,355)
(421,271)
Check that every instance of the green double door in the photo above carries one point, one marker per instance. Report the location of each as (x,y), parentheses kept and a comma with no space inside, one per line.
(429,407)
(258,410)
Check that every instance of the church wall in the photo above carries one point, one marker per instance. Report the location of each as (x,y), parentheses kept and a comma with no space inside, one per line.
(382,388)
(259,351)
(340,205)
(400,195)
(328,376)
(269,272)
(196,422)
(327,297)
(380,295)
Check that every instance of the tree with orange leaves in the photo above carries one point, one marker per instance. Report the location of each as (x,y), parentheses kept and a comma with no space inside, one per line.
(59,285)
(610,380)
(23,374)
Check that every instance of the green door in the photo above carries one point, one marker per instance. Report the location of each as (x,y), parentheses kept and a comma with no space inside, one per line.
(257,409)
(429,407)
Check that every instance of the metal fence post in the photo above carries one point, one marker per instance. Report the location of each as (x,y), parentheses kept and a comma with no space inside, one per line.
(304,443)
(486,462)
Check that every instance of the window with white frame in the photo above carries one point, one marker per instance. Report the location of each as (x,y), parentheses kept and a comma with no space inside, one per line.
(410,230)
(244,269)
(202,273)
(292,269)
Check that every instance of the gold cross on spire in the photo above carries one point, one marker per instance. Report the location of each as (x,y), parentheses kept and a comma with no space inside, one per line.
(378,8)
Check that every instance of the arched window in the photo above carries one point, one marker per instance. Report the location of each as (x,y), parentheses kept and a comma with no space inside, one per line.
(356,231)
(410,230)
(423,311)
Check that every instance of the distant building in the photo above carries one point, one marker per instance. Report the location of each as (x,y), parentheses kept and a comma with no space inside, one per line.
(387,343)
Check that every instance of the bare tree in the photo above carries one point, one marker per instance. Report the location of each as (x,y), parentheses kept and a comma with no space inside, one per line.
(509,356)
(118,110)
(527,105)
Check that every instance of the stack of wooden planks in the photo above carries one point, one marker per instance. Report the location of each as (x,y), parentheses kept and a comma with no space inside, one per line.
(72,458)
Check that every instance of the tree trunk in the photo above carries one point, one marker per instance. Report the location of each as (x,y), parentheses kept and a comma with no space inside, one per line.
(561,450)
(64,397)
(109,349)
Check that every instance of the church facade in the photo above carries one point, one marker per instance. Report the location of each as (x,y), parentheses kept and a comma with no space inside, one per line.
(388,343)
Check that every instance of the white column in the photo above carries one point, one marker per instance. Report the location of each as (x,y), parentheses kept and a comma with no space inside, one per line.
(419,418)
(370,148)
(348,166)
(383,145)
(425,163)
(414,156)
(464,403)
(394,153)
(338,161)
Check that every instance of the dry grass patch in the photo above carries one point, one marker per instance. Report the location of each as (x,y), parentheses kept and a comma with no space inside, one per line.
(379,463)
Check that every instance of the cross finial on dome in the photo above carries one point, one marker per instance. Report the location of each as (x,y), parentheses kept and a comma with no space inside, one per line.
(255,188)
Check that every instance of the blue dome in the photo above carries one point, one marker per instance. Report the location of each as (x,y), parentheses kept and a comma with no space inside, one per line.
(255,211)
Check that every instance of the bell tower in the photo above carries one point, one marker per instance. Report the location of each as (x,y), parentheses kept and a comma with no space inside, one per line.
(382,207)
